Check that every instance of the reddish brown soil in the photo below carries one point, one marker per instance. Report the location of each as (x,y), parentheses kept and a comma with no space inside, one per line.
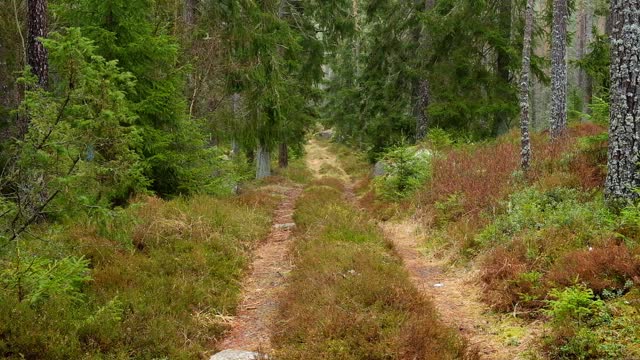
(455,295)
(250,328)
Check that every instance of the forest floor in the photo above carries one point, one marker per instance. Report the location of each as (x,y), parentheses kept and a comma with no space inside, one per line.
(251,327)
(454,293)
(456,296)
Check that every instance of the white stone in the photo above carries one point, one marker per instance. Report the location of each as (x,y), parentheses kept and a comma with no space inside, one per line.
(238,355)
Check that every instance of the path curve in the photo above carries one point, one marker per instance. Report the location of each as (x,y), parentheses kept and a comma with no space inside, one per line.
(251,327)
(456,296)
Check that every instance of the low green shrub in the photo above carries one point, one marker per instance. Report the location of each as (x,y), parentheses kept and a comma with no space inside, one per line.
(406,169)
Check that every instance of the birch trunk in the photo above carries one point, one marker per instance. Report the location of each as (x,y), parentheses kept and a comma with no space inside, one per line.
(559,69)
(524,88)
(624,131)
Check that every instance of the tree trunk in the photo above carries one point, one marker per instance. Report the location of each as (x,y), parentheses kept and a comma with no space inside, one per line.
(251,156)
(503,60)
(235,111)
(583,37)
(283,155)
(559,69)
(189,12)
(524,88)
(420,110)
(263,163)
(421,87)
(624,136)
(37,55)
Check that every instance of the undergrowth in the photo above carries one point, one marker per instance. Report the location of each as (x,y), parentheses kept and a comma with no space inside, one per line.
(546,245)
(349,297)
(147,282)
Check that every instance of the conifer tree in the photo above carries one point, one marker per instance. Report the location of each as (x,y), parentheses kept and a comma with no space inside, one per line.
(524,87)
(559,68)
(38,28)
(623,178)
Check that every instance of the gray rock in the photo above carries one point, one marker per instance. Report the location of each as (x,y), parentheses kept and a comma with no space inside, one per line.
(238,355)
(326,134)
(379,169)
(287,226)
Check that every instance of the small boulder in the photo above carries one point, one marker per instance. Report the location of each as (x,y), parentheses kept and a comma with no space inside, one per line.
(238,355)
(379,169)
(285,227)
(326,134)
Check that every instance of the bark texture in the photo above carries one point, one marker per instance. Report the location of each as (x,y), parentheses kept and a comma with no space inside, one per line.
(283,155)
(421,103)
(559,69)
(37,55)
(584,38)
(189,12)
(624,130)
(421,87)
(503,60)
(263,163)
(525,153)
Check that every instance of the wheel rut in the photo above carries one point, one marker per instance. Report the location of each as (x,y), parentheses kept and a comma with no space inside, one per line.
(271,264)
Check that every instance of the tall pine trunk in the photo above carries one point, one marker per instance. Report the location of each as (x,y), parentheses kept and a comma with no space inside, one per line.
(503,60)
(624,129)
(189,12)
(524,88)
(283,155)
(583,39)
(37,55)
(263,162)
(559,69)
(420,109)
(421,87)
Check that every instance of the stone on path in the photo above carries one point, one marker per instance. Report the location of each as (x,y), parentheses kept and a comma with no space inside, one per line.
(238,355)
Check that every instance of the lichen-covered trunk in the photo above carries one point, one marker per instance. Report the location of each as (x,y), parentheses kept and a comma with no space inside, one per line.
(37,26)
(263,162)
(283,155)
(525,153)
(559,69)
(624,131)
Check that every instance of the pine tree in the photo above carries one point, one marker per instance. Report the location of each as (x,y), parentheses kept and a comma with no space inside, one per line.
(624,130)
(559,68)
(524,87)
(37,28)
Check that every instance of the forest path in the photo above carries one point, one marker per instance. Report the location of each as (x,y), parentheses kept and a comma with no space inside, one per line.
(251,327)
(322,162)
(455,294)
